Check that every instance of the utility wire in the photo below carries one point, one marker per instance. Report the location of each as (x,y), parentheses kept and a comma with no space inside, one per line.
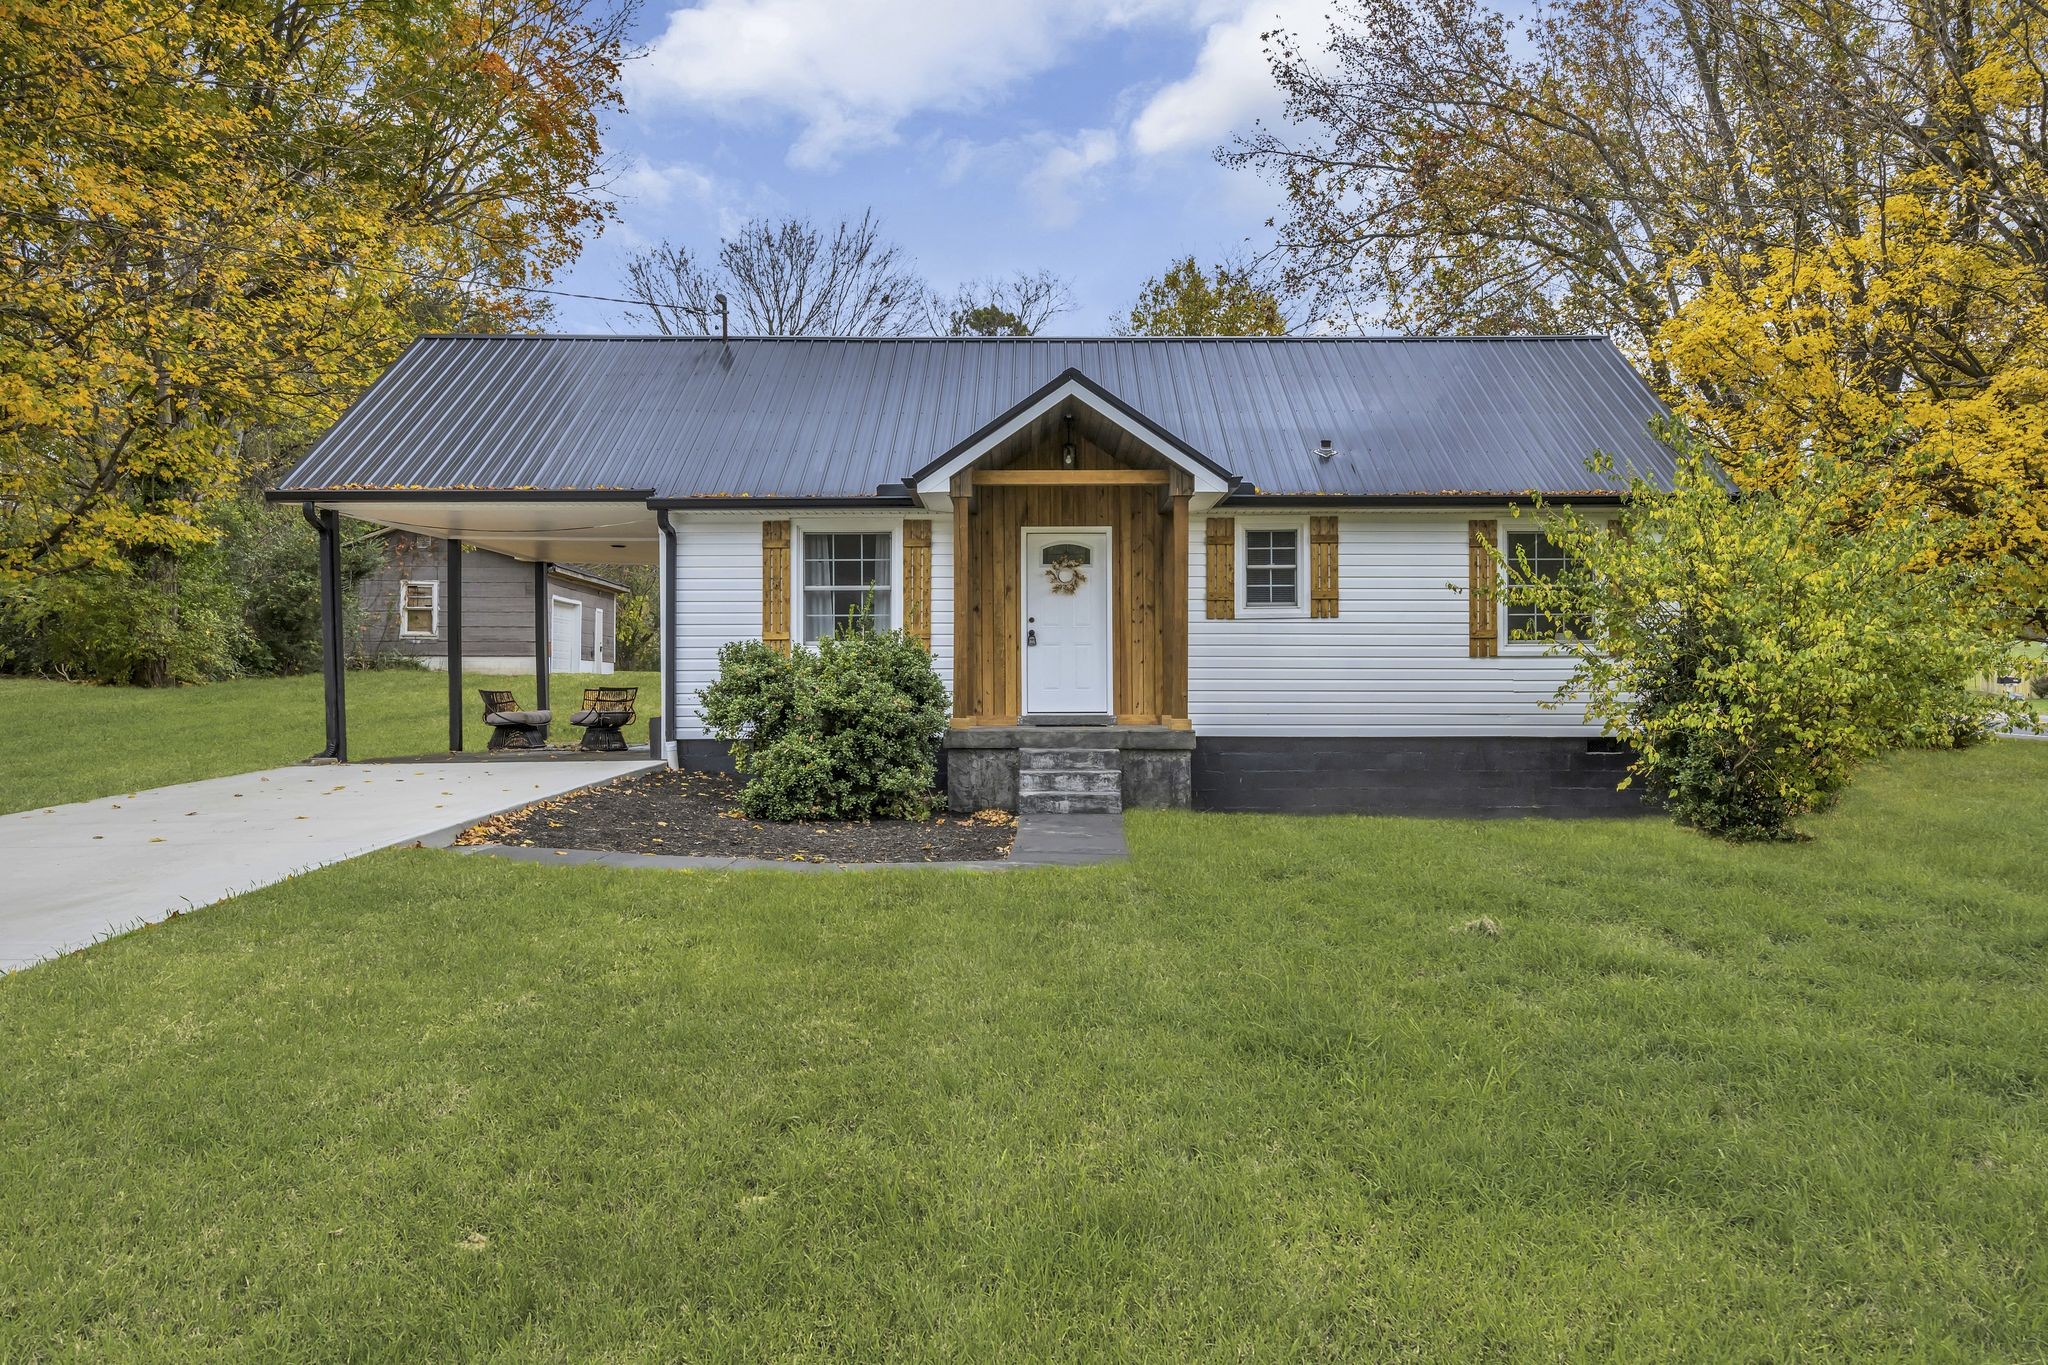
(426,277)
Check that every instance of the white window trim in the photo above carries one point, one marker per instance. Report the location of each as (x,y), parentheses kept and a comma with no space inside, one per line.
(597,636)
(1265,611)
(1506,643)
(892,527)
(433,606)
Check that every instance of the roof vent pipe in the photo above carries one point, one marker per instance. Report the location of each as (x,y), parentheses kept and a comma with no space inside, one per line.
(1325,450)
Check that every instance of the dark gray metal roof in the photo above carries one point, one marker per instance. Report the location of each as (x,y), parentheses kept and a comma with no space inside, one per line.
(684,417)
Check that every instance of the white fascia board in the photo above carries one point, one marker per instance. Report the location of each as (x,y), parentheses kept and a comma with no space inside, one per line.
(934,489)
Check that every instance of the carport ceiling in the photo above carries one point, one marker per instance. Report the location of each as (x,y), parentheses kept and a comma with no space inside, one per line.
(559,532)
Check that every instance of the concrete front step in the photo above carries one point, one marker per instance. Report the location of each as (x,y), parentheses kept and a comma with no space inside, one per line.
(1069,803)
(1070,781)
(1046,760)
(1090,782)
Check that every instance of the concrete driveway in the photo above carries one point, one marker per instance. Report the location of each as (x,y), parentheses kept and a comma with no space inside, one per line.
(72,875)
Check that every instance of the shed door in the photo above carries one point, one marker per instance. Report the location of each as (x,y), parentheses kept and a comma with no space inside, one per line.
(565,637)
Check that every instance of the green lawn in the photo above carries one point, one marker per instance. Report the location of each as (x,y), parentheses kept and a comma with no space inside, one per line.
(68,742)
(1256,1094)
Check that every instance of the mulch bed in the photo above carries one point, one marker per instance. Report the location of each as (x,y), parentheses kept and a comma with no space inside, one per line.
(698,815)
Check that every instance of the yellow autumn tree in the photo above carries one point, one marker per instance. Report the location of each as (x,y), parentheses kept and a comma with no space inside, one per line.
(1814,226)
(1913,328)
(220,218)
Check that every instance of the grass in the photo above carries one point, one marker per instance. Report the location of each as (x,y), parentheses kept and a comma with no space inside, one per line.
(71,742)
(1259,1093)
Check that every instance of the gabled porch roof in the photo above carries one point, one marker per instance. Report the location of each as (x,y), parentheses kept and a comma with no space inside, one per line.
(1069,390)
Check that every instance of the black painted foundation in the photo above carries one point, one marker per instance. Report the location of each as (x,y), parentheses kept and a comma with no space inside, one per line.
(1483,777)
(1493,777)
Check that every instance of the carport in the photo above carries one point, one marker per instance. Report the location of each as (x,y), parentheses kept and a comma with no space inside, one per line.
(535,526)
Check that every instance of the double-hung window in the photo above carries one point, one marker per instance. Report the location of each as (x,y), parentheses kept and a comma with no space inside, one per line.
(846,581)
(419,609)
(1272,568)
(1533,555)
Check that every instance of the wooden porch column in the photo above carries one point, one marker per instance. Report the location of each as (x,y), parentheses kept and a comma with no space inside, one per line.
(966,607)
(454,577)
(1174,694)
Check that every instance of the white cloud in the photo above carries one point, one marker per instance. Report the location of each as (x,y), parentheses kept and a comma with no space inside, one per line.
(1058,183)
(1231,84)
(851,71)
(657,200)
(654,186)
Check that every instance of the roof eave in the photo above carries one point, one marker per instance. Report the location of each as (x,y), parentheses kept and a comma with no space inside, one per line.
(641,495)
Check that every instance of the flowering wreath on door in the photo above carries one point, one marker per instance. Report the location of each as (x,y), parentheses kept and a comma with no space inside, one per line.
(1063,573)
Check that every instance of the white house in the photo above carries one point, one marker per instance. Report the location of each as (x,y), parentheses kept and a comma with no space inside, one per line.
(1233,572)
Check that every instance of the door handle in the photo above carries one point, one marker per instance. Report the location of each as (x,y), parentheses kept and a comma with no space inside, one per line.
(1030,637)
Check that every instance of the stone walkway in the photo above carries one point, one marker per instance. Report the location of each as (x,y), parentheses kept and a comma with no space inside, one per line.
(79,873)
(1042,841)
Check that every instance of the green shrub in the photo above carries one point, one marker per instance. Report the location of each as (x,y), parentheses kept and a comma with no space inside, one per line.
(2040,686)
(173,621)
(638,625)
(272,558)
(846,731)
(1754,651)
(245,602)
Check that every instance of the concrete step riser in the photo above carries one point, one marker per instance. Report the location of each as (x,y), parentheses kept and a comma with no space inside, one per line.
(1069,804)
(1091,783)
(1032,760)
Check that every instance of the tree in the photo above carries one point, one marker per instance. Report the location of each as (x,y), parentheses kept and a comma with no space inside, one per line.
(219,221)
(1185,301)
(1019,306)
(784,277)
(1753,651)
(1783,211)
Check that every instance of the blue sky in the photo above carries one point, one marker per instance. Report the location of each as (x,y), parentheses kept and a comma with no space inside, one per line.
(988,135)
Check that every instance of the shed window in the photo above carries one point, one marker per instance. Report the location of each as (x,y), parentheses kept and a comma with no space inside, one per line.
(1531,554)
(846,582)
(1272,567)
(419,609)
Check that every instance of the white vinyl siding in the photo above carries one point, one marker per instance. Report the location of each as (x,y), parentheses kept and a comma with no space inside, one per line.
(718,590)
(1393,662)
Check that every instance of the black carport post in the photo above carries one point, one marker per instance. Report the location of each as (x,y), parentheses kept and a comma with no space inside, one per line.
(540,634)
(454,646)
(665,637)
(328,524)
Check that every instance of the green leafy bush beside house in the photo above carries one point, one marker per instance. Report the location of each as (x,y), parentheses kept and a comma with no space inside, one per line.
(845,731)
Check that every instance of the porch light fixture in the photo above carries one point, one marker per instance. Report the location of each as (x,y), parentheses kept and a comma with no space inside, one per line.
(1067,450)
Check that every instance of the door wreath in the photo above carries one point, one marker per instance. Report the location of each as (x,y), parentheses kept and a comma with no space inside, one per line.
(1063,573)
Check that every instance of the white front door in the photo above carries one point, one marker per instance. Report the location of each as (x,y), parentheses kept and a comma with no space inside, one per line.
(565,637)
(1066,623)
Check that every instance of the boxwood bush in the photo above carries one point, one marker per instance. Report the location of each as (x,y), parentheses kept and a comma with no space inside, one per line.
(846,731)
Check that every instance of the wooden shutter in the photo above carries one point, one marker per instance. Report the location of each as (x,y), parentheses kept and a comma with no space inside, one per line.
(1481,594)
(1322,566)
(1222,568)
(775,584)
(917,580)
